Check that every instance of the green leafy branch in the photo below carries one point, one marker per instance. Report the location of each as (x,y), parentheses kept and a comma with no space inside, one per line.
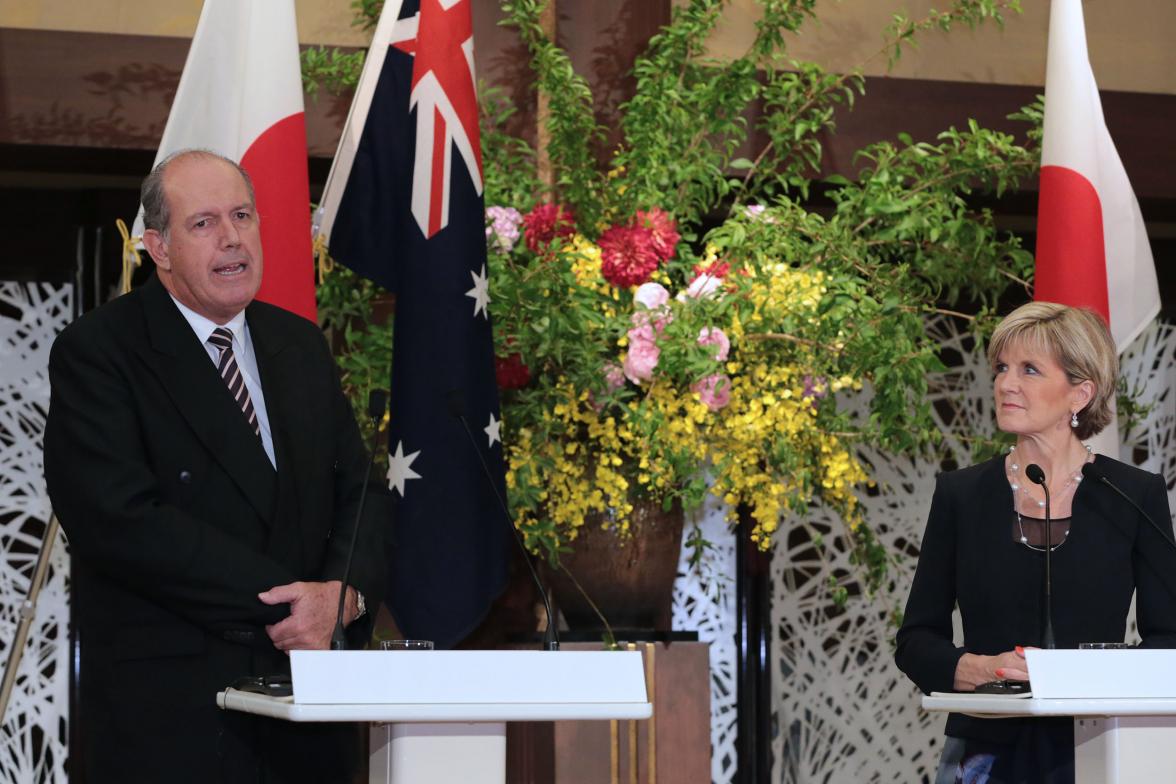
(572,122)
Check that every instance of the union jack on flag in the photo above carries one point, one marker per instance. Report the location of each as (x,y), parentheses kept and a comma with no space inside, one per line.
(403,207)
(441,40)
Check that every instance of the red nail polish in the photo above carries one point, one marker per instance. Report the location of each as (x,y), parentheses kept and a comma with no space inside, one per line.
(1000,672)
(1020,651)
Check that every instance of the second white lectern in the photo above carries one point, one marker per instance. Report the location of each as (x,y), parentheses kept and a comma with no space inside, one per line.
(1123,703)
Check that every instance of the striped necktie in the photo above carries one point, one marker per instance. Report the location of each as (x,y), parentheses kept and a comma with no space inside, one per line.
(230,373)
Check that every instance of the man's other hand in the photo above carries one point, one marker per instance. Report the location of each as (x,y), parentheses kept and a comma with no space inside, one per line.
(312,614)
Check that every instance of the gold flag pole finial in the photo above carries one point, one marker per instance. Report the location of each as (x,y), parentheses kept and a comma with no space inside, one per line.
(322,256)
(131,260)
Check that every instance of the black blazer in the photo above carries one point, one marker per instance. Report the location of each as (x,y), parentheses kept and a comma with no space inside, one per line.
(177,520)
(969,557)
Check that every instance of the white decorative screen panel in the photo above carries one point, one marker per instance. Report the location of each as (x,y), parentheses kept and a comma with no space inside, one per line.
(34,734)
(704,601)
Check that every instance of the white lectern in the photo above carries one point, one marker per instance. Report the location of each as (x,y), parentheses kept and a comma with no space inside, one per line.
(440,716)
(1123,703)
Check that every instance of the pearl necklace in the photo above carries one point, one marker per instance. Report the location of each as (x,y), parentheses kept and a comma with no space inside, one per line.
(1019,490)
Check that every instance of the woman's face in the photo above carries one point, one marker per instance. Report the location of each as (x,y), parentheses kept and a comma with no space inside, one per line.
(1033,394)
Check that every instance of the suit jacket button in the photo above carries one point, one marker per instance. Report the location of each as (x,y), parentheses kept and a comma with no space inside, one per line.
(185,477)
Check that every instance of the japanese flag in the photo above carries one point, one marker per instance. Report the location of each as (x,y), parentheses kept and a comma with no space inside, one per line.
(241,95)
(1092,248)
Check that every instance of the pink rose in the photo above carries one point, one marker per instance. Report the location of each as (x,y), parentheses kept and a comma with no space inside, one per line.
(713,336)
(614,379)
(651,295)
(614,376)
(659,319)
(714,391)
(642,356)
(503,231)
(705,285)
(653,298)
(642,333)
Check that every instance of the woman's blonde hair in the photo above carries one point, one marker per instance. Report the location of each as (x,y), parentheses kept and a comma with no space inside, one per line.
(1078,339)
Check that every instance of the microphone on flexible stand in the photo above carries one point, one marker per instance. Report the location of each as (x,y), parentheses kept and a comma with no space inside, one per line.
(457,409)
(1037,477)
(377,402)
(1161,572)
(1090,471)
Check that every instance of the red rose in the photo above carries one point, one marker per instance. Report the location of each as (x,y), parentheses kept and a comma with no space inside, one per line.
(628,255)
(510,372)
(546,222)
(717,269)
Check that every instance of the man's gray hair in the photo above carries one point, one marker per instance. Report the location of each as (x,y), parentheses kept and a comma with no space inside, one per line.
(156,214)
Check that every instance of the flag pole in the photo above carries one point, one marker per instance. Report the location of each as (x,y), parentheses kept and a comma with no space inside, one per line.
(28,610)
(324,216)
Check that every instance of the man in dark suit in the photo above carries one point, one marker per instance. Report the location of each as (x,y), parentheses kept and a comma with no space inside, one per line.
(206,468)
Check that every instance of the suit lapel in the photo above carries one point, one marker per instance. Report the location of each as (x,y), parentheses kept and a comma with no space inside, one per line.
(190,379)
(281,365)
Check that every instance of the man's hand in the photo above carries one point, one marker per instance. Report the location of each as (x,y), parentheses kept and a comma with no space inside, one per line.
(312,614)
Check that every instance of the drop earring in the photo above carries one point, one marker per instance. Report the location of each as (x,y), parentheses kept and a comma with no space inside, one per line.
(1074,419)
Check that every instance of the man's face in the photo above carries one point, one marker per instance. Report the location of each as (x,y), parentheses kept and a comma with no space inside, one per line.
(211,257)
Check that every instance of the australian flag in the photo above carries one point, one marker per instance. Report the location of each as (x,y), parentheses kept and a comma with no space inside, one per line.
(403,206)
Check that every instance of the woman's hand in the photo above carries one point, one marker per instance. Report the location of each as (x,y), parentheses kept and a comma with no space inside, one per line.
(974,669)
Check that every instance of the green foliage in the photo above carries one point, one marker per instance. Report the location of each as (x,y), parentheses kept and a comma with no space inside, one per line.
(367,13)
(336,70)
(333,69)
(684,122)
(572,124)
(903,31)
(909,211)
(1129,405)
(798,107)
(362,342)
(1034,115)
(508,162)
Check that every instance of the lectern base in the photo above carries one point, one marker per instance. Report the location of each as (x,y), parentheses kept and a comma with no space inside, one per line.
(1124,749)
(450,753)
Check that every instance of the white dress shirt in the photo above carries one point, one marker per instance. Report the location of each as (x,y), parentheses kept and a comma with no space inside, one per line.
(246,361)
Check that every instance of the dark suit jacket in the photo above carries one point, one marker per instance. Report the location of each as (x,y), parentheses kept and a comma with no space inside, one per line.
(177,520)
(969,557)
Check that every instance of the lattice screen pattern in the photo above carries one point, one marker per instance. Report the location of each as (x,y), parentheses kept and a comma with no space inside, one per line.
(33,738)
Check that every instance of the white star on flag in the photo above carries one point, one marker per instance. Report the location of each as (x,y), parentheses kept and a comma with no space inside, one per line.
(480,293)
(399,468)
(491,430)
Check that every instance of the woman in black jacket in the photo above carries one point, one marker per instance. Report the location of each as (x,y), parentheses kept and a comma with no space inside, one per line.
(1055,369)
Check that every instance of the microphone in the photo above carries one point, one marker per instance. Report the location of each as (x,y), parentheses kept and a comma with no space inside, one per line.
(377,402)
(1090,471)
(457,409)
(1037,477)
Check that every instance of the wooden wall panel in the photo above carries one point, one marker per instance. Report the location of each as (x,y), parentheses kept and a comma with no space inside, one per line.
(671,748)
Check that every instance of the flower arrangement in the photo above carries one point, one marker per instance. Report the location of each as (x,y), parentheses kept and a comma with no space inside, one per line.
(680,323)
(646,367)
(682,320)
